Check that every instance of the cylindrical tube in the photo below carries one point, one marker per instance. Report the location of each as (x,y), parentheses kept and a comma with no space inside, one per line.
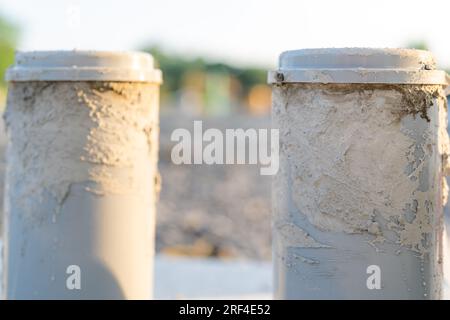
(81,175)
(357,202)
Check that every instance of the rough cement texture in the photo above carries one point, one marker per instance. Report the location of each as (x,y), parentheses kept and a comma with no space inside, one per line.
(363,160)
(81,185)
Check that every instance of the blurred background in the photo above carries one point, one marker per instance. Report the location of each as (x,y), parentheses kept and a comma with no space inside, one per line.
(215,56)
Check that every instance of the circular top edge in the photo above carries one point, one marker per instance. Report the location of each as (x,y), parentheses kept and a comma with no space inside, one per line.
(357,58)
(83,65)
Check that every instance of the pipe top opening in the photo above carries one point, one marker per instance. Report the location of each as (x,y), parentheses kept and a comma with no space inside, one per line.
(367,58)
(76,65)
(358,65)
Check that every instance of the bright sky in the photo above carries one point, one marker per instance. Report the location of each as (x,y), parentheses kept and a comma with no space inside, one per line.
(239,31)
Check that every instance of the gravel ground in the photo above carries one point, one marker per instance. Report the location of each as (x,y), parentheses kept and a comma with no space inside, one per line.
(213,210)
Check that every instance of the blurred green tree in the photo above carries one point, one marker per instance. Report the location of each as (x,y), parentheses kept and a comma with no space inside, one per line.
(8,40)
(419,44)
(176,67)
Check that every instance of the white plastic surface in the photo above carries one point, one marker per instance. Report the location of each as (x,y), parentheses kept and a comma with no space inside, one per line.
(358,65)
(83,66)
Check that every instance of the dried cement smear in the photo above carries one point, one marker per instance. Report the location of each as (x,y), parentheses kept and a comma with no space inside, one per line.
(293,235)
(364,159)
(61,133)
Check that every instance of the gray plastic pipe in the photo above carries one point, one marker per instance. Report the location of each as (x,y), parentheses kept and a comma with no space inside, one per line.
(81,177)
(357,202)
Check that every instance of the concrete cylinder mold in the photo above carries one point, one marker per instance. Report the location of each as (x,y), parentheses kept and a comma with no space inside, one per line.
(357,202)
(81,177)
